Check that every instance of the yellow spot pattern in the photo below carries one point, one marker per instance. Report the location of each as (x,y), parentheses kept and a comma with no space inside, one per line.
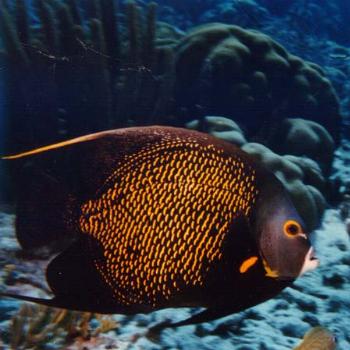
(163,216)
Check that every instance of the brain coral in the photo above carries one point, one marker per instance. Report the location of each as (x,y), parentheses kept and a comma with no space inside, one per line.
(220,127)
(228,70)
(304,138)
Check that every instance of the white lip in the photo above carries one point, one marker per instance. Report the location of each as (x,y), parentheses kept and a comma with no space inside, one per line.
(310,262)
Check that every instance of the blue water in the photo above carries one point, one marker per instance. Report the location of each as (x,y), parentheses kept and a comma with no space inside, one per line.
(269,76)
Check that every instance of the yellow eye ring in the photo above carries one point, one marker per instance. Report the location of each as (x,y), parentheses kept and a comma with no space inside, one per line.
(291,228)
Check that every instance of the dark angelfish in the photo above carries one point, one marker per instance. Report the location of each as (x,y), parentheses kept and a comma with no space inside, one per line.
(165,217)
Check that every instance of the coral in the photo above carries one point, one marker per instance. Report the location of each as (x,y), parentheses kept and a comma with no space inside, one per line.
(220,127)
(10,38)
(293,171)
(228,70)
(50,35)
(77,72)
(167,35)
(34,327)
(22,21)
(304,138)
(81,71)
(8,272)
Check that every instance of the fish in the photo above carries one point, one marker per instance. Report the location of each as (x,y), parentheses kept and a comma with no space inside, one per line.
(164,217)
(319,338)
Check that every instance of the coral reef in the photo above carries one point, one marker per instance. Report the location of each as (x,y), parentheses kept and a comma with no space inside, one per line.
(106,67)
(78,72)
(220,127)
(302,137)
(34,327)
(231,71)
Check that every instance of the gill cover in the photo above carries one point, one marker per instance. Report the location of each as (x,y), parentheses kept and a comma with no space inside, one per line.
(284,246)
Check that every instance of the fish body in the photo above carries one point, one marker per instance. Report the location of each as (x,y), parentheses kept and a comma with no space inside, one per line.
(318,338)
(165,217)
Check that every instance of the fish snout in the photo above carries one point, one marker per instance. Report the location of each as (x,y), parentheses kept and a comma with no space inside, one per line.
(310,262)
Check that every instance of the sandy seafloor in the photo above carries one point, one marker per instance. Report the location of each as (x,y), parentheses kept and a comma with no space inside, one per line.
(319,297)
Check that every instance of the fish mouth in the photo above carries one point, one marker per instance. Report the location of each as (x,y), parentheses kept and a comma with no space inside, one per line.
(310,262)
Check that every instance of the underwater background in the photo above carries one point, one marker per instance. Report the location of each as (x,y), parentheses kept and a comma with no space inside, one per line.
(269,76)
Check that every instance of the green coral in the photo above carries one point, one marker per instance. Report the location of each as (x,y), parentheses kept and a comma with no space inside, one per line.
(83,73)
(167,35)
(49,30)
(14,49)
(78,72)
(22,21)
(305,138)
(244,73)
(220,127)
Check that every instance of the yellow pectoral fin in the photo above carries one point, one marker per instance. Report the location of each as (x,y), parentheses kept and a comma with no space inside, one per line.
(247,264)
(62,144)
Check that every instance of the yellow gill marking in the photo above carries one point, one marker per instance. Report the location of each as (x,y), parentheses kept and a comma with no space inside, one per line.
(247,264)
(269,271)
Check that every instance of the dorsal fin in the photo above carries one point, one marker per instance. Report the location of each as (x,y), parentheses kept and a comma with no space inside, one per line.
(66,143)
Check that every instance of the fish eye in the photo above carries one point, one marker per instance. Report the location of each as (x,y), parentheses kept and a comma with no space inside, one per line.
(292,228)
